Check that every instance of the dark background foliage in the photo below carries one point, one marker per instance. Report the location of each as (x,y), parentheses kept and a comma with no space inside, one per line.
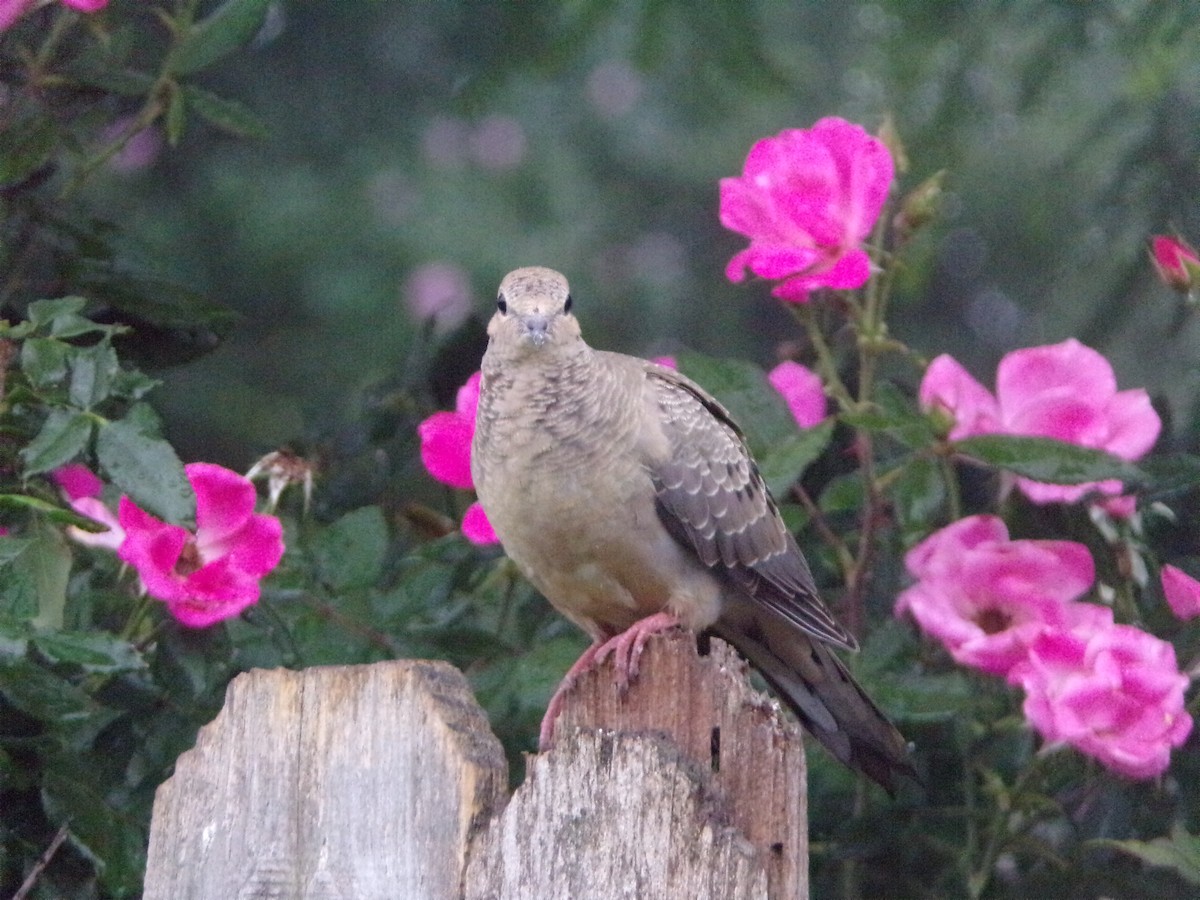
(268,257)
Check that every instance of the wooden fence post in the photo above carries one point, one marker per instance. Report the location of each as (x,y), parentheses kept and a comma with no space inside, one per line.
(384,781)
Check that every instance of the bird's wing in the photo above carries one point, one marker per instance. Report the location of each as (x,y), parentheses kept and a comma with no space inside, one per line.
(711,497)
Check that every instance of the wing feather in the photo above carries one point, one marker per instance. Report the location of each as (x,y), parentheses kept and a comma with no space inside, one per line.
(711,497)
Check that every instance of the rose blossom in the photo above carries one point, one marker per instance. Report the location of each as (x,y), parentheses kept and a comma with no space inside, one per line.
(83,488)
(1182,592)
(1114,693)
(986,598)
(446,452)
(213,573)
(1065,391)
(802,390)
(807,199)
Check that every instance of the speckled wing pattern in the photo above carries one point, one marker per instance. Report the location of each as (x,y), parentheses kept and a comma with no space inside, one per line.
(711,497)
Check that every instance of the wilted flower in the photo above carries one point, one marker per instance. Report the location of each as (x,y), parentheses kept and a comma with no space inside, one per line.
(213,573)
(1175,261)
(1065,391)
(1114,693)
(446,452)
(986,598)
(1182,592)
(807,199)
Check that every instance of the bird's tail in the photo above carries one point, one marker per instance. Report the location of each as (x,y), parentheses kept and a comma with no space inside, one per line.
(819,689)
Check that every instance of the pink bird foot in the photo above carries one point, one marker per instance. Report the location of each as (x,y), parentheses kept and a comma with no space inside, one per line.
(625,648)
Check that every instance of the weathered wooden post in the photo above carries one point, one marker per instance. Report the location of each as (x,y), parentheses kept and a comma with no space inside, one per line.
(384,781)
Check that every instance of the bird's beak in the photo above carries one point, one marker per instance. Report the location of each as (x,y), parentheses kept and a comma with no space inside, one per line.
(535,327)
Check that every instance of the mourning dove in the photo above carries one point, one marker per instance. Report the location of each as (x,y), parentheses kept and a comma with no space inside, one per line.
(628,497)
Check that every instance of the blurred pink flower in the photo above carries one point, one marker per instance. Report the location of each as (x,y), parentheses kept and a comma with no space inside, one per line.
(1175,261)
(1114,693)
(1182,592)
(213,573)
(446,452)
(82,488)
(949,388)
(986,598)
(476,528)
(446,438)
(438,291)
(807,199)
(802,390)
(1065,391)
(11,10)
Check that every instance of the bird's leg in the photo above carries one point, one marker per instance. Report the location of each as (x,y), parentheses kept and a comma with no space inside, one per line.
(625,648)
(554,707)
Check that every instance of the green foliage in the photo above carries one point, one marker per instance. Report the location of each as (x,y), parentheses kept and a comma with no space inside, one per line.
(1054,177)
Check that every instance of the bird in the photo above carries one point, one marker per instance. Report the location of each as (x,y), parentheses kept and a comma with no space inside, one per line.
(627,495)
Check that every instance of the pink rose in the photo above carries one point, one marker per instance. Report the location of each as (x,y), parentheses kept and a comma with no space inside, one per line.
(807,199)
(1176,262)
(1114,693)
(82,488)
(802,390)
(446,438)
(213,573)
(1182,593)
(987,598)
(1065,391)
(446,452)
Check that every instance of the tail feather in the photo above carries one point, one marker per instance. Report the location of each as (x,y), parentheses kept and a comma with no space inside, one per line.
(819,689)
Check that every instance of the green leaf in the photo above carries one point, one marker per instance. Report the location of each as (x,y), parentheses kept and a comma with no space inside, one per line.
(1171,474)
(351,551)
(1180,852)
(14,639)
(924,698)
(228,27)
(95,652)
(743,389)
(228,115)
(44,313)
(46,565)
(147,469)
(92,372)
(785,461)
(63,436)
(918,493)
(18,597)
(25,146)
(39,693)
(45,361)
(53,513)
(77,789)
(1047,460)
(894,414)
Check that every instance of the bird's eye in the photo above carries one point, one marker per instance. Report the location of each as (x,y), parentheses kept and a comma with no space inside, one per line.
(567,304)
(501,304)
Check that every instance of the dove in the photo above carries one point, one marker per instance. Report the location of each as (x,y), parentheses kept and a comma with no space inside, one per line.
(627,496)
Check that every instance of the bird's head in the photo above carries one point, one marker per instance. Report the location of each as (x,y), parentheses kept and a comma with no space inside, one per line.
(533,313)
